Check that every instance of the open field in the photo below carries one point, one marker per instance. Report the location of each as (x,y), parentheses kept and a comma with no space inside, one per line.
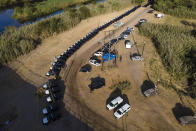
(147,114)
(80,106)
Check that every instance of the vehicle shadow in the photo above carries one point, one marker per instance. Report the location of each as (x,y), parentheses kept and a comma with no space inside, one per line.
(125,99)
(179,110)
(147,84)
(117,92)
(96,83)
(22,108)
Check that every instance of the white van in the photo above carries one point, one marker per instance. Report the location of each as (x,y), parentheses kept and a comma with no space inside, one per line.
(114,103)
(122,110)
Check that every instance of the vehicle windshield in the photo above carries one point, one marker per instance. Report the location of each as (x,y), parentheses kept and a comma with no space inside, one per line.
(111,104)
(119,112)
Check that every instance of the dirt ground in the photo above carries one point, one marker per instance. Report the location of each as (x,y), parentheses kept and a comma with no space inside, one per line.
(154,113)
(81,109)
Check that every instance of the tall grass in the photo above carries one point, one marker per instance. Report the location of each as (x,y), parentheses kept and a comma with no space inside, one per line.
(15,42)
(37,9)
(177,47)
(11,3)
(179,8)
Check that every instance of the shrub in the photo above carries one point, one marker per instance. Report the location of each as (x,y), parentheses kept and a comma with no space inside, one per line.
(84,12)
(123,85)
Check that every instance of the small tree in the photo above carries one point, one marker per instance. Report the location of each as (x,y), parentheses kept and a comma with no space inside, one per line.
(84,12)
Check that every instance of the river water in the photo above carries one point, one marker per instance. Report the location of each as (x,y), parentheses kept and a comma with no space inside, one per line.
(7,20)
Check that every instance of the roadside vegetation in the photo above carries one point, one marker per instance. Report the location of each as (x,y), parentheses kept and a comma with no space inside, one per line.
(179,8)
(177,47)
(12,3)
(122,85)
(31,11)
(19,41)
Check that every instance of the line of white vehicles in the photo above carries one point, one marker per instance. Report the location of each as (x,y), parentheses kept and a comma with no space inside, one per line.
(122,108)
(52,93)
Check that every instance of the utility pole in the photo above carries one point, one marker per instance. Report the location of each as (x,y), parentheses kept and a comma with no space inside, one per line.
(111,35)
(143,48)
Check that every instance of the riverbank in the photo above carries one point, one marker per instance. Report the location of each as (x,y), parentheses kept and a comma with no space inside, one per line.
(19,41)
(31,11)
(11,3)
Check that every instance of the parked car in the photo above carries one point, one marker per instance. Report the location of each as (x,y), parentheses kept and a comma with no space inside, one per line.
(51,82)
(150,11)
(48,109)
(55,67)
(123,36)
(113,41)
(150,92)
(118,24)
(142,20)
(47,92)
(187,120)
(137,58)
(53,97)
(94,62)
(98,53)
(49,99)
(50,117)
(53,72)
(122,110)
(52,89)
(130,29)
(128,44)
(114,103)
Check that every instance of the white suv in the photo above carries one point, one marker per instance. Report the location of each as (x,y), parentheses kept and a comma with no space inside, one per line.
(130,29)
(122,110)
(137,58)
(94,62)
(114,103)
(99,53)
